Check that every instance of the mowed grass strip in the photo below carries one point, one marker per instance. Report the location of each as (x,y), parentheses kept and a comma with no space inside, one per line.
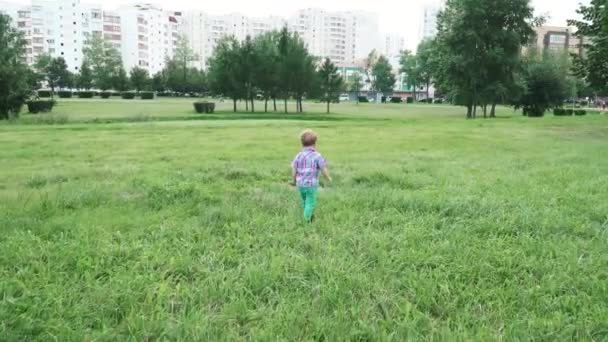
(436,228)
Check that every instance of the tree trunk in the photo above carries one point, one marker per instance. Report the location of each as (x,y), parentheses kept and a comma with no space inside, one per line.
(469,111)
(234,100)
(266,105)
(301,106)
(493,110)
(274,101)
(328,106)
(252,105)
(246,105)
(485,111)
(428,85)
(285,104)
(475,110)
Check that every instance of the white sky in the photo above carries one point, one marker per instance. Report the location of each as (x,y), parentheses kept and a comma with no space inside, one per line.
(395,16)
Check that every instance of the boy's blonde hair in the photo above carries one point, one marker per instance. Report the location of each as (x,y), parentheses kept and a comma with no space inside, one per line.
(308,138)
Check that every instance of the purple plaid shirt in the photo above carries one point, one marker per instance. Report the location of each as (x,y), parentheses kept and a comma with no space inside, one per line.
(307,165)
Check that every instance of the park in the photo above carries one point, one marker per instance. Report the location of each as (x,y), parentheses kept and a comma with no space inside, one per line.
(154,221)
(141,203)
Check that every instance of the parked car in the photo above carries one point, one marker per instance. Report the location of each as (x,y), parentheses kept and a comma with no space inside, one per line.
(344,98)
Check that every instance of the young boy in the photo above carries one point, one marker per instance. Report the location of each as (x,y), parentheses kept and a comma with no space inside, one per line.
(305,173)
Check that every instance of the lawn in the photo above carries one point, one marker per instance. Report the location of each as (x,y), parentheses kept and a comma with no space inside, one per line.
(144,221)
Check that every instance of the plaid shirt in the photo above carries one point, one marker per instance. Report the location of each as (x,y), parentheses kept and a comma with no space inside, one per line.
(307,165)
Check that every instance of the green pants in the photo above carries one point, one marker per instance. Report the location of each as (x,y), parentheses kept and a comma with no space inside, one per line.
(309,201)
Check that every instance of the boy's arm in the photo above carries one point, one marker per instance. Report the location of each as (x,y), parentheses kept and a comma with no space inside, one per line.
(293,176)
(325,172)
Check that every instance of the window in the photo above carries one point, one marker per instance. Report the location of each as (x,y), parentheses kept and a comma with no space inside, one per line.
(38,40)
(62,53)
(61,44)
(51,50)
(74,23)
(96,15)
(21,24)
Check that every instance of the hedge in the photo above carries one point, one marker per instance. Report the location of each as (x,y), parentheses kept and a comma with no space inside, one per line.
(44,93)
(128,95)
(580,112)
(396,99)
(410,99)
(559,111)
(569,111)
(363,99)
(64,94)
(438,101)
(147,95)
(40,106)
(105,94)
(85,94)
(204,107)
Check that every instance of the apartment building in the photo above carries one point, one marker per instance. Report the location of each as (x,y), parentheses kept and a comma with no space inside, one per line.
(428,25)
(556,38)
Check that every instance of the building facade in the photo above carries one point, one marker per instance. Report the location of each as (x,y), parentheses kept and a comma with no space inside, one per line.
(556,38)
(428,25)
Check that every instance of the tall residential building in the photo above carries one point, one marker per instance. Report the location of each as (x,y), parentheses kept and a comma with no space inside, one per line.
(428,25)
(149,36)
(344,37)
(557,39)
(393,45)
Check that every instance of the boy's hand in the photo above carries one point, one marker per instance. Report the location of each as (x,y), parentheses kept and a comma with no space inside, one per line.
(292,183)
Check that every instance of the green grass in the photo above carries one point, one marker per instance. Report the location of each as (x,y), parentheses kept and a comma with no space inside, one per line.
(134,220)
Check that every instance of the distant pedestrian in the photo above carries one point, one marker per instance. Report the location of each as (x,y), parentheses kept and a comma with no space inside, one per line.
(306,167)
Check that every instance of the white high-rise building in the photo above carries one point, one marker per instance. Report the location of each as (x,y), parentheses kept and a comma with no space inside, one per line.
(344,37)
(149,36)
(393,45)
(428,27)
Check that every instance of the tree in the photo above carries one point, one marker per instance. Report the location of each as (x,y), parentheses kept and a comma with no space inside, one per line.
(121,81)
(180,65)
(159,82)
(409,66)
(355,84)
(224,71)
(370,61)
(248,63)
(15,76)
(331,82)
(478,49)
(267,76)
(382,73)
(594,28)
(58,74)
(139,78)
(84,80)
(545,85)
(105,62)
(424,57)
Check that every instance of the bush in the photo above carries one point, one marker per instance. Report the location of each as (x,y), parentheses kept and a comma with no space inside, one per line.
(116,94)
(44,93)
(85,94)
(204,107)
(40,106)
(584,103)
(128,95)
(147,95)
(580,112)
(559,112)
(396,99)
(569,112)
(410,99)
(64,94)
(438,101)
(105,94)
(363,99)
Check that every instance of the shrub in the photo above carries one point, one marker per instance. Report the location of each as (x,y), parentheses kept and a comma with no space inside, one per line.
(44,93)
(580,112)
(105,94)
(147,95)
(85,94)
(128,95)
(410,99)
(40,106)
(438,101)
(396,99)
(569,112)
(116,94)
(204,107)
(559,112)
(363,99)
(64,94)
(584,103)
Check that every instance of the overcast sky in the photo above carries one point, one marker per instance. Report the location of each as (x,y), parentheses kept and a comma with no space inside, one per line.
(396,16)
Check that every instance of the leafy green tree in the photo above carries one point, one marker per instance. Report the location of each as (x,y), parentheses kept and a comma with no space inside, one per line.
(331,82)
(180,65)
(382,73)
(197,81)
(121,81)
(409,66)
(478,48)
(159,82)
(594,28)
(266,74)
(355,84)
(15,77)
(424,57)
(105,62)
(224,70)
(58,74)
(546,85)
(248,63)
(84,80)
(139,78)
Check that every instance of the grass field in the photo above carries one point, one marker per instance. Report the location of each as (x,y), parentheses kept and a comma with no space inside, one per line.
(133,220)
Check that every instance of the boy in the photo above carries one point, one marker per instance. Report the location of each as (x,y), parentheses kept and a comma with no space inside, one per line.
(305,173)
